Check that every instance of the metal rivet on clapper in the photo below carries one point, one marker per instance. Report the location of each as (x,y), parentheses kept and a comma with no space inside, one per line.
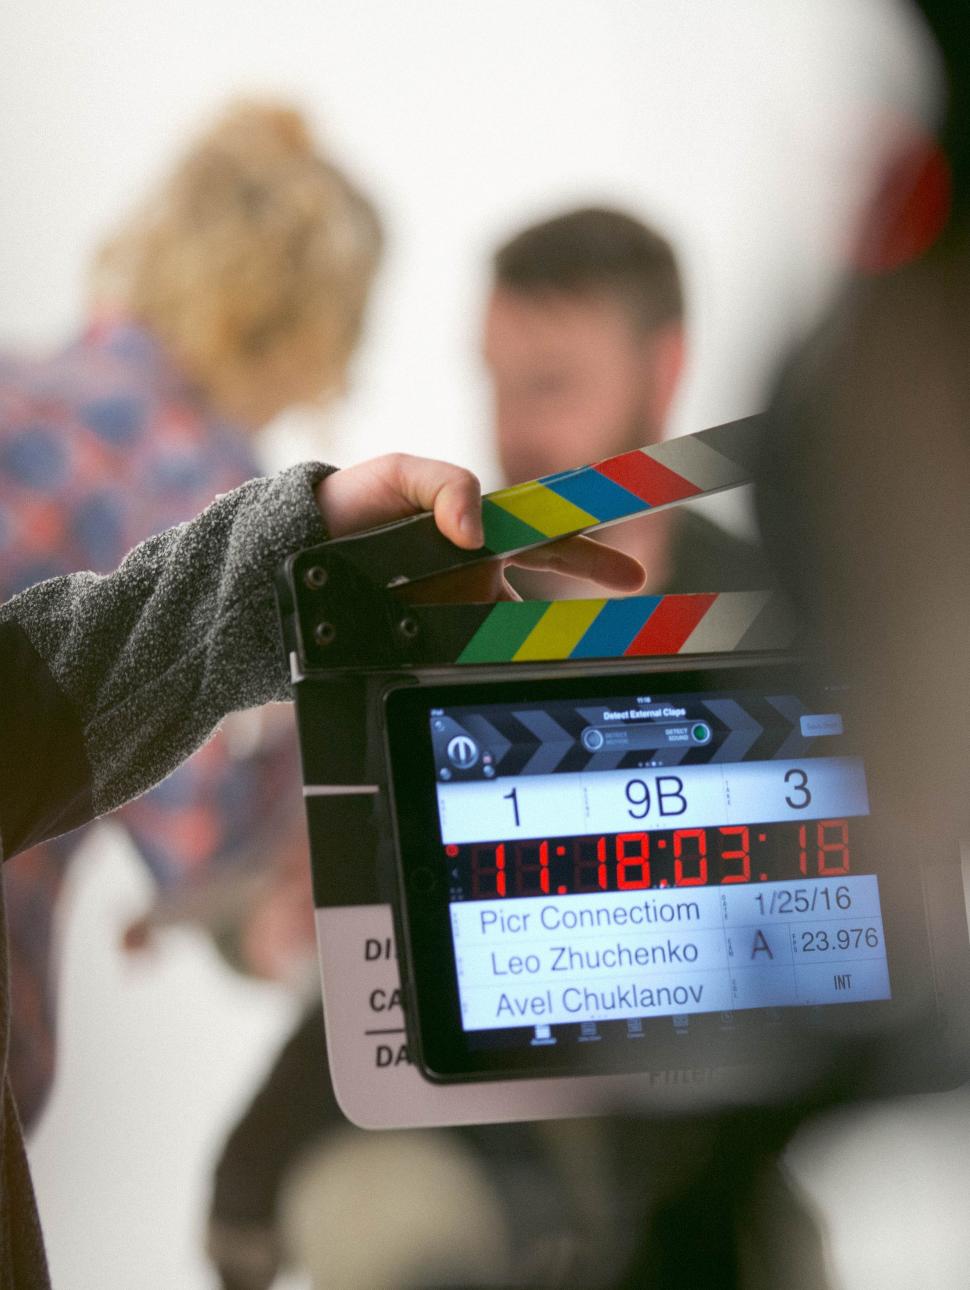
(315,577)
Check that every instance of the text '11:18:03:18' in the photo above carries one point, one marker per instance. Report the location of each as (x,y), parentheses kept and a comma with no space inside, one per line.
(734,853)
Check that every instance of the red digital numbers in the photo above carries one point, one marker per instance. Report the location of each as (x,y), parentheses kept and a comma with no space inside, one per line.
(831,852)
(632,861)
(601,880)
(531,875)
(493,869)
(741,855)
(694,872)
(589,871)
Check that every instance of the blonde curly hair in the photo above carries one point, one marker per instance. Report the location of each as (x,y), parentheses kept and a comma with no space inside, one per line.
(254,244)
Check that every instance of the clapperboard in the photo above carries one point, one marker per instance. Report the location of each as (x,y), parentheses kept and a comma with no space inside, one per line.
(354,639)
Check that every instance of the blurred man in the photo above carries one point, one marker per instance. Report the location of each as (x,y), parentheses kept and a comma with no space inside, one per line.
(585,345)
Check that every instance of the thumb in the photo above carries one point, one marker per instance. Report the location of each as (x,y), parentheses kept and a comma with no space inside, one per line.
(393,487)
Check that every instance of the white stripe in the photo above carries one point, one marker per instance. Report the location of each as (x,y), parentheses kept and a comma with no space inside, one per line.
(725,622)
(697,461)
(339,790)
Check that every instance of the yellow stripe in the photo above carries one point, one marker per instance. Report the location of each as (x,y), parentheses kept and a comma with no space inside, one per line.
(545,510)
(559,630)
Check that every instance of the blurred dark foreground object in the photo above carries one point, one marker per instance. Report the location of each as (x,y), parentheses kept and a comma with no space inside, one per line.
(864,495)
(865,507)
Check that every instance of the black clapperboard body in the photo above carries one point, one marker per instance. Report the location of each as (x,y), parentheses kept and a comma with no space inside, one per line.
(352,636)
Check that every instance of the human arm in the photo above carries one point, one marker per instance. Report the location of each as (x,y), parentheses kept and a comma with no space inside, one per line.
(110,681)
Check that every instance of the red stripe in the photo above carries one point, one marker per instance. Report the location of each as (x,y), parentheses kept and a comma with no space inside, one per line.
(645,477)
(670,624)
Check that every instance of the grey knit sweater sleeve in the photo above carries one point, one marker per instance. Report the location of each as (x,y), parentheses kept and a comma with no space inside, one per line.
(154,655)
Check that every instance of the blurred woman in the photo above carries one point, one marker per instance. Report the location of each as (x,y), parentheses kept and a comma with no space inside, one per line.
(236,289)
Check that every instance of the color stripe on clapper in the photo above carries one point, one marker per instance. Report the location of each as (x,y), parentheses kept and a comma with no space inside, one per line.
(629,484)
(559,630)
(503,631)
(670,624)
(536,631)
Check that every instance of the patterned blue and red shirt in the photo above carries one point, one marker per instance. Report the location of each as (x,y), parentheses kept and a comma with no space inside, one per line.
(101,446)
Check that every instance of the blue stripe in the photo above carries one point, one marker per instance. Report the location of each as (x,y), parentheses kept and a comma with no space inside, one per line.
(595,493)
(615,626)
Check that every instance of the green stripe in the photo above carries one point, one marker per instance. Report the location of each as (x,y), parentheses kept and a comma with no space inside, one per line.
(505,532)
(503,631)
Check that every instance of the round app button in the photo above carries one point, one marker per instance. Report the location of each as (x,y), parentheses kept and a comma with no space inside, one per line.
(462,752)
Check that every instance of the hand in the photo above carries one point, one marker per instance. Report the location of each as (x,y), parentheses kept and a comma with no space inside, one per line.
(393,487)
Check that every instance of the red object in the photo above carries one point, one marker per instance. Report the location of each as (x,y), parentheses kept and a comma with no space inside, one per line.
(670,624)
(743,853)
(682,879)
(646,478)
(910,209)
(624,861)
(829,847)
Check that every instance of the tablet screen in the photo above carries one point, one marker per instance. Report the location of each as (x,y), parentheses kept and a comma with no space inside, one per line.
(589,866)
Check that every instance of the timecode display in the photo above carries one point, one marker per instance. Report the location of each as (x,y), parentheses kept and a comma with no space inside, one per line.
(634,860)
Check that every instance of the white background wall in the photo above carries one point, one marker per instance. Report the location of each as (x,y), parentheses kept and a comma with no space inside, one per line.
(739,125)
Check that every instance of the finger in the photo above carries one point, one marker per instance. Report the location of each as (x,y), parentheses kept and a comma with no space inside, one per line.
(580,557)
(457,508)
(393,487)
(478,584)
